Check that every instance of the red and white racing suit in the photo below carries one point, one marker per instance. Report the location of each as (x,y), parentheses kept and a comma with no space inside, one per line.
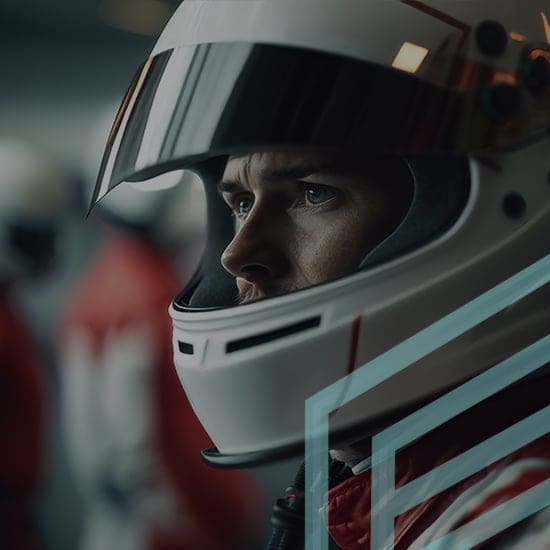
(133,438)
(22,407)
(349,503)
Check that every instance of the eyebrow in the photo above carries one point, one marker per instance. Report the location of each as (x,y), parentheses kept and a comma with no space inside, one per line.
(229,186)
(292,172)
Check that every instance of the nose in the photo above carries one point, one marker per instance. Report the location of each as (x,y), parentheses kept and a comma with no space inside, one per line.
(257,252)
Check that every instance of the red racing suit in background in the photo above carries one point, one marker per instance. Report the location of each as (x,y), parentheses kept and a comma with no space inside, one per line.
(349,503)
(132,436)
(22,407)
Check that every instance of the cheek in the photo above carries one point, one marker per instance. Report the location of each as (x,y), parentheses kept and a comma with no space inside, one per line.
(328,247)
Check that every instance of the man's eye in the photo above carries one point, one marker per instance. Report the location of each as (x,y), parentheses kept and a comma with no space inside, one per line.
(318,194)
(243,205)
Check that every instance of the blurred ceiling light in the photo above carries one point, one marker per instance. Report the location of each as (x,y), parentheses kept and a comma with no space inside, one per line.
(546,24)
(409,57)
(518,37)
(502,77)
(146,17)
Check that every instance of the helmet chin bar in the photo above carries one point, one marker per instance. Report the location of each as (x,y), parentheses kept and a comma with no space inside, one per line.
(346,437)
(339,439)
(214,458)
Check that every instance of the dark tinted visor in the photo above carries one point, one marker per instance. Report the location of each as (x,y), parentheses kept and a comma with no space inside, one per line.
(206,100)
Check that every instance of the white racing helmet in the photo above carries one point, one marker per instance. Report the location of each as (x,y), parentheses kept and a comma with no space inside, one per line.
(32,201)
(456,92)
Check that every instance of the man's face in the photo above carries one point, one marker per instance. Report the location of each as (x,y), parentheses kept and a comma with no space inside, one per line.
(307,218)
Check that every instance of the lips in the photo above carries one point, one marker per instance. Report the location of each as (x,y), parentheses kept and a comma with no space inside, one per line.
(249,291)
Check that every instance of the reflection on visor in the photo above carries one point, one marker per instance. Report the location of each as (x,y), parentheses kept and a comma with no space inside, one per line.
(211,99)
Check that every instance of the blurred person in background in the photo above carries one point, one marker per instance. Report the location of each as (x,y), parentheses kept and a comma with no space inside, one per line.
(32,199)
(133,440)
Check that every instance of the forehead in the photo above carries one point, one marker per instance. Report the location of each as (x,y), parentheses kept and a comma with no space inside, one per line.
(280,165)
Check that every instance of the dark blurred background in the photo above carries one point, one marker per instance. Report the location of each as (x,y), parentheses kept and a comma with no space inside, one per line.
(65,64)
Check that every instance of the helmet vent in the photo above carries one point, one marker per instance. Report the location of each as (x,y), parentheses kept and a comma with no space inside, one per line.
(258,339)
(186,348)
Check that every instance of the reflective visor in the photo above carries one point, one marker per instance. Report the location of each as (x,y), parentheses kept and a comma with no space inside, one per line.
(207,100)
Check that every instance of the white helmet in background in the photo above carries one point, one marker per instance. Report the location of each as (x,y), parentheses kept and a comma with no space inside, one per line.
(32,201)
(173,216)
(455,93)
